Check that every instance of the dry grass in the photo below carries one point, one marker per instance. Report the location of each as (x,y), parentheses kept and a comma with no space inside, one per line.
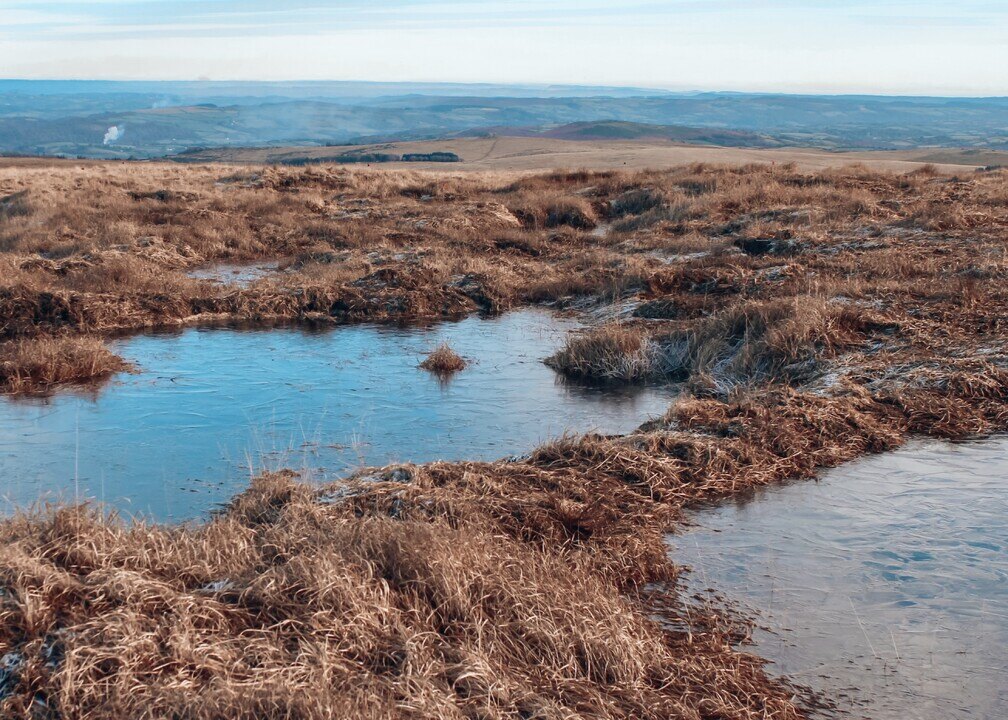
(443,360)
(100,248)
(786,339)
(816,317)
(618,352)
(290,605)
(39,365)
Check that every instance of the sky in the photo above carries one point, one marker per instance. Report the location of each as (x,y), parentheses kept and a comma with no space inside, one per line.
(957,47)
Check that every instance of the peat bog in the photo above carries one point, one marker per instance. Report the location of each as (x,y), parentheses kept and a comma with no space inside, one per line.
(811,318)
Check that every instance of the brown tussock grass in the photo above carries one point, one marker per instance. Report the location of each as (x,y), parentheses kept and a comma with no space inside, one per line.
(783,339)
(42,365)
(443,359)
(755,340)
(615,351)
(291,606)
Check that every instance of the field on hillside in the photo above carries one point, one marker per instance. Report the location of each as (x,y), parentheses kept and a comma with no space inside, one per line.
(536,154)
(811,313)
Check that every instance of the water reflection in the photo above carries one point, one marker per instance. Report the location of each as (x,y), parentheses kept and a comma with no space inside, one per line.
(211,407)
(885,584)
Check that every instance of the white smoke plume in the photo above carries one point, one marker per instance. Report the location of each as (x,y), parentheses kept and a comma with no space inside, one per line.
(112,134)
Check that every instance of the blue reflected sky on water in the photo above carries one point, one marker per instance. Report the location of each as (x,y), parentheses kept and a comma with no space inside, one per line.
(179,437)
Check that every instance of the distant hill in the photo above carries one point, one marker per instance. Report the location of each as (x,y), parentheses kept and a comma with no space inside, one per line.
(622,130)
(497,153)
(159,119)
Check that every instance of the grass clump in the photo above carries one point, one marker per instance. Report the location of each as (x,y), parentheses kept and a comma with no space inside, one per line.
(756,340)
(636,202)
(38,365)
(15,205)
(782,339)
(572,212)
(646,207)
(553,209)
(617,352)
(655,216)
(444,360)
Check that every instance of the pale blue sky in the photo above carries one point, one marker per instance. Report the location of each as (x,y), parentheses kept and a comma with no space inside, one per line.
(901,46)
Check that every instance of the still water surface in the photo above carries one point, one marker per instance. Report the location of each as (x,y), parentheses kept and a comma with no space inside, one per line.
(885,584)
(179,438)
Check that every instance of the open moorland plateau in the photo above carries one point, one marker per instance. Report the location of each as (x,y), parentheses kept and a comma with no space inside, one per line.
(540,153)
(807,314)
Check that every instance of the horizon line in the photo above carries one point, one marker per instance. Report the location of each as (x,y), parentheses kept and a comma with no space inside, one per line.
(681,90)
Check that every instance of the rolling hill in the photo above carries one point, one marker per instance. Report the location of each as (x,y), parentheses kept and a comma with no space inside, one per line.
(155,120)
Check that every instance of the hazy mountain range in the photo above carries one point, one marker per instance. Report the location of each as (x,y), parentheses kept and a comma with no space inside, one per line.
(153,119)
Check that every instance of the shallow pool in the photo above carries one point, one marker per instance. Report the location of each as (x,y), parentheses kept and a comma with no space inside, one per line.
(212,406)
(234,274)
(885,584)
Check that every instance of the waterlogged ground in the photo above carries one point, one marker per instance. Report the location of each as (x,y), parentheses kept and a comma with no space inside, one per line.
(230,274)
(179,437)
(885,584)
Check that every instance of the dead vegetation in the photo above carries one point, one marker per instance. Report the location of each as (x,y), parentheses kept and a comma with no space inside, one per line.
(43,364)
(753,341)
(618,352)
(443,360)
(812,317)
(292,606)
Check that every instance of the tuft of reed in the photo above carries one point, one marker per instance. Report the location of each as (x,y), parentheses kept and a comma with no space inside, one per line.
(41,365)
(618,352)
(443,360)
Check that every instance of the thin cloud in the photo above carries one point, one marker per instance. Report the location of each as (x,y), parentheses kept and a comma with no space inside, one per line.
(674,43)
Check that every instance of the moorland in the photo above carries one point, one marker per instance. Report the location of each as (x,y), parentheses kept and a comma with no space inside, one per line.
(810,316)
